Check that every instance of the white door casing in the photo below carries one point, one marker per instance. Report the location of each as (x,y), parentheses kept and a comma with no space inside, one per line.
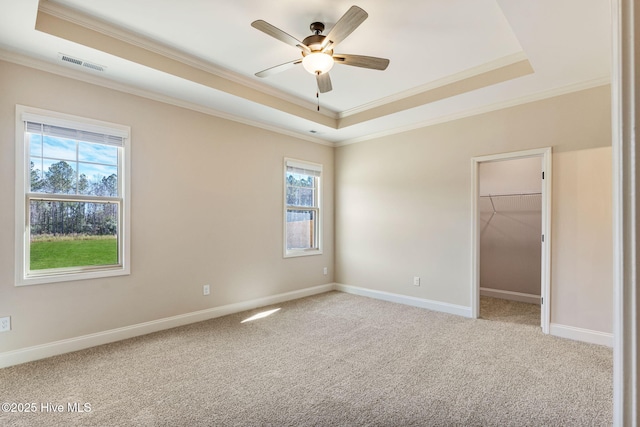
(545,285)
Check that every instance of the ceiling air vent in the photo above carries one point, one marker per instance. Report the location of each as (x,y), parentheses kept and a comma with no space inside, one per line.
(82,63)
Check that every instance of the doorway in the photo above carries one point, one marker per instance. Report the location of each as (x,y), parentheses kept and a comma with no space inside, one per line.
(511,213)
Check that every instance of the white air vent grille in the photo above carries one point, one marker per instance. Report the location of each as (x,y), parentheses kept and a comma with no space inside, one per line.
(72,60)
(86,64)
(93,66)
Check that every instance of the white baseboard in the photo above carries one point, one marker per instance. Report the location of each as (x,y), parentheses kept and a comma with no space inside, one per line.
(444,307)
(55,348)
(42,351)
(510,295)
(580,334)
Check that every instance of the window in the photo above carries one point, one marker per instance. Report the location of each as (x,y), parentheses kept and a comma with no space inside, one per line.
(72,197)
(302,208)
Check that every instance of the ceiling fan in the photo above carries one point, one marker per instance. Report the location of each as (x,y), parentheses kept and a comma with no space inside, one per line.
(317,49)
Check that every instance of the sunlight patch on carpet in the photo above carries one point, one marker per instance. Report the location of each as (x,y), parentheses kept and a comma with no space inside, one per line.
(260,315)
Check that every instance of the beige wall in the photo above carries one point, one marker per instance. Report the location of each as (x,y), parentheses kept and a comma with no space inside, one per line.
(403,202)
(403,209)
(582,249)
(207,206)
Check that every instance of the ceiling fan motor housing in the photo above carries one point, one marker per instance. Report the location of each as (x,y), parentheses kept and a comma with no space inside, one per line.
(314,42)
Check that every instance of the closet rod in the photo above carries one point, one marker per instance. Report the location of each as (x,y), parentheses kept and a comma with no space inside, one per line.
(493,206)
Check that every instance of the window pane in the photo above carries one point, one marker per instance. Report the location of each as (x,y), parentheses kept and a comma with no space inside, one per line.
(72,234)
(36,176)
(98,153)
(297,196)
(35,144)
(97,180)
(301,189)
(300,180)
(59,177)
(57,160)
(300,229)
(59,149)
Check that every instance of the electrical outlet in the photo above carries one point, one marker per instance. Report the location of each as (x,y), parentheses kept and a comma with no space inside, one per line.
(5,324)
(416,281)
(206,290)
(325,271)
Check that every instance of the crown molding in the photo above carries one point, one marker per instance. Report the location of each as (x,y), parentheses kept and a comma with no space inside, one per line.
(86,77)
(109,84)
(68,72)
(453,78)
(562,90)
(445,87)
(79,34)
(118,33)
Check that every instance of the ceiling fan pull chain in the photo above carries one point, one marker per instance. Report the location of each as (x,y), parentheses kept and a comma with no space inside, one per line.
(318,98)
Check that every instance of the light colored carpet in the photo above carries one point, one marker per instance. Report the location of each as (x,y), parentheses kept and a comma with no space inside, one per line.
(503,310)
(329,360)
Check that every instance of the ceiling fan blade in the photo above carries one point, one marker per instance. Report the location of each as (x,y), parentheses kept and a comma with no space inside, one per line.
(362,61)
(277,33)
(345,25)
(324,82)
(278,68)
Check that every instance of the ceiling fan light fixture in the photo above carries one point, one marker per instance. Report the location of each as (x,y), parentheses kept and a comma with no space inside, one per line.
(317,62)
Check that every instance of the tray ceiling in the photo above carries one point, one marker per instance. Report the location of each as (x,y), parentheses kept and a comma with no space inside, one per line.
(449,59)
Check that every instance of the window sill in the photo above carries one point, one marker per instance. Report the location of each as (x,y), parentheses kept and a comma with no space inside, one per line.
(69,276)
(302,252)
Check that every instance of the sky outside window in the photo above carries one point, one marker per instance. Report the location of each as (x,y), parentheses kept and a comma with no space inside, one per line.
(91,162)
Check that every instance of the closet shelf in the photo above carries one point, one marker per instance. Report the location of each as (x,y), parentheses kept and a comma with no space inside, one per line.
(511,194)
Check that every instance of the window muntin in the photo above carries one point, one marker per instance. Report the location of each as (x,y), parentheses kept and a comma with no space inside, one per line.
(73,197)
(302,208)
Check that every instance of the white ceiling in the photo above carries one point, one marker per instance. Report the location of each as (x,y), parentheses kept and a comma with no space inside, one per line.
(449,58)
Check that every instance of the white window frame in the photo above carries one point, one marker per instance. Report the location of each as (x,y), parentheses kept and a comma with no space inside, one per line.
(23,196)
(303,165)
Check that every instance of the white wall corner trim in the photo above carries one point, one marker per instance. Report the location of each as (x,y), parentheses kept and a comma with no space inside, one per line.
(443,307)
(580,334)
(55,348)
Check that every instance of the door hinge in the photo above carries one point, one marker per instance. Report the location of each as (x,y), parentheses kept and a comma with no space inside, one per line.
(542,174)
(543,238)
(541,301)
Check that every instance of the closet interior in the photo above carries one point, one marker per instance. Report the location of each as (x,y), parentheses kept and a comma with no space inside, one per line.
(510,208)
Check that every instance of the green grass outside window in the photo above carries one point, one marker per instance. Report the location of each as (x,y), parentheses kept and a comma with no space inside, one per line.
(78,252)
